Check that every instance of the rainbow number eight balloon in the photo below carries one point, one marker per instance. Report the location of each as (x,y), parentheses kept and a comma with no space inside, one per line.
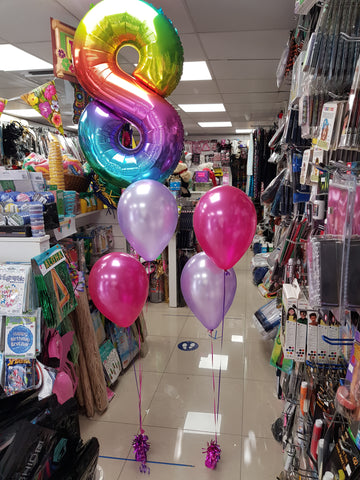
(120,98)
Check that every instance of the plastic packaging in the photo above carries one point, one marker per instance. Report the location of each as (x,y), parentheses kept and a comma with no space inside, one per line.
(315,438)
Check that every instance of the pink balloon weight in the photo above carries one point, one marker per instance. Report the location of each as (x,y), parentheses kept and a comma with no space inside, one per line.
(202,284)
(224,224)
(147,215)
(118,286)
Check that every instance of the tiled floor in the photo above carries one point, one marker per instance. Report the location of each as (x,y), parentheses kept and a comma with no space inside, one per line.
(178,399)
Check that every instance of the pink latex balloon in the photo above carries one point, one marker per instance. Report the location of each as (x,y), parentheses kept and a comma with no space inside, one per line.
(147,215)
(224,224)
(118,286)
(202,284)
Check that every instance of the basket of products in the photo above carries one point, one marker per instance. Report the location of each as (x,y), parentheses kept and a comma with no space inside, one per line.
(76,182)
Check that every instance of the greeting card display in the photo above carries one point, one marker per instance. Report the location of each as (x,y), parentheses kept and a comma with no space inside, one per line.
(54,285)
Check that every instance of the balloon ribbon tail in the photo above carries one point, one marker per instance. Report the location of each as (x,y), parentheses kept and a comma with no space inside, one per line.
(213,452)
(141,447)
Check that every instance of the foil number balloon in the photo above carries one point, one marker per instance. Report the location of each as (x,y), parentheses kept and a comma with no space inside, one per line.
(121,98)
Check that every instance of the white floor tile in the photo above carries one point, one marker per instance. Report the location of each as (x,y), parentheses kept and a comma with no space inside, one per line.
(261,458)
(193,328)
(160,350)
(261,408)
(165,322)
(114,438)
(257,360)
(179,396)
(124,406)
(199,361)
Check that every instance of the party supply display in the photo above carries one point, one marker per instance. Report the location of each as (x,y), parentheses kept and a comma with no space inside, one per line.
(121,98)
(147,215)
(204,285)
(118,286)
(44,100)
(56,293)
(224,224)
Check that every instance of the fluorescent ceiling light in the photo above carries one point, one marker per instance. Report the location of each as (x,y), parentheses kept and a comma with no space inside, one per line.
(74,127)
(243,130)
(195,71)
(214,124)
(24,113)
(14,59)
(202,107)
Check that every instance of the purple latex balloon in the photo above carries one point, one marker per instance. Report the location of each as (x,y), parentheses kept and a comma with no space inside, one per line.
(202,284)
(147,215)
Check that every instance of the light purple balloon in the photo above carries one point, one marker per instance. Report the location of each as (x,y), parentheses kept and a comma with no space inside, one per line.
(202,284)
(147,215)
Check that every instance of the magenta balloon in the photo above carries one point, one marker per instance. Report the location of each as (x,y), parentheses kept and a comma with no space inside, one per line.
(202,285)
(225,224)
(147,215)
(118,286)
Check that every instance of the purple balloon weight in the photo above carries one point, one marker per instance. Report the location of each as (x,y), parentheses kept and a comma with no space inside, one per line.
(147,215)
(202,284)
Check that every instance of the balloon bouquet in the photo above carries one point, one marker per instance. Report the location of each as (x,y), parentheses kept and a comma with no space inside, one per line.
(224,219)
(147,211)
(224,224)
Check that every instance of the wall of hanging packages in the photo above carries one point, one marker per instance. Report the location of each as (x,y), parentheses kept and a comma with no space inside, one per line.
(307,249)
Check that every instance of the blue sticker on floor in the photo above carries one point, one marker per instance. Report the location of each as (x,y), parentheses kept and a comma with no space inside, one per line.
(188,346)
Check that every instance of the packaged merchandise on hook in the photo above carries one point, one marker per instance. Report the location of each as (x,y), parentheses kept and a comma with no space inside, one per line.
(313,268)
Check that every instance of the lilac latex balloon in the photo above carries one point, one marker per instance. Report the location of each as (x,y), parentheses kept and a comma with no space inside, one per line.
(202,284)
(147,215)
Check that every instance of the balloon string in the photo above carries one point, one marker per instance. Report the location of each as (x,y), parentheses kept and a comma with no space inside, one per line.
(137,382)
(214,387)
(140,384)
(221,345)
(148,274)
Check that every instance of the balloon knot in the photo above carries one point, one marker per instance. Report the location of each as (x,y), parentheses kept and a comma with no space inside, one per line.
(213,452)
(227,272)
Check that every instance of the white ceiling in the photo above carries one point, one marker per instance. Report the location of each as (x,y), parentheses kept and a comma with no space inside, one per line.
(240,40)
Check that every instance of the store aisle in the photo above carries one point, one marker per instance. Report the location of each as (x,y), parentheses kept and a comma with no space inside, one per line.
(178,399)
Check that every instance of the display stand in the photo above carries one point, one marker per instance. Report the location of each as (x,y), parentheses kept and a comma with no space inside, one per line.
(15,249)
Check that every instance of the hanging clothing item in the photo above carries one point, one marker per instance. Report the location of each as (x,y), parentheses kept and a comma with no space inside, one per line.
(250,158)
(238,170)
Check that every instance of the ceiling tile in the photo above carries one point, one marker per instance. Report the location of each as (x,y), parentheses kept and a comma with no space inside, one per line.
(41,50)
(177,13)
(30,21)
(245,45)
(252,98)
(248,85)
(195,98)
(244,69)
(210,117)
(78,8)
(195,88)
(193,50)
(10,80)
(252,107)
(235,15)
